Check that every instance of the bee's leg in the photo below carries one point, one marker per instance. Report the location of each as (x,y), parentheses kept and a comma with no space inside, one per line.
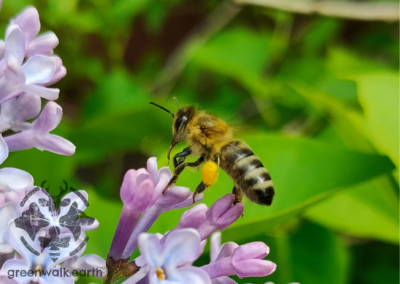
(182,155)
(199,189)
(238,195)
(179,169)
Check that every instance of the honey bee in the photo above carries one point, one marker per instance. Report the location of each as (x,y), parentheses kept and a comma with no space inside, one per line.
(211,138)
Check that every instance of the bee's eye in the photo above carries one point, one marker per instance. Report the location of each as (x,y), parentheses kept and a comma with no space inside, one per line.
(179,121)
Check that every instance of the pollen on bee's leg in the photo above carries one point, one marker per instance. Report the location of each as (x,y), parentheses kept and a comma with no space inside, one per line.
(209,173)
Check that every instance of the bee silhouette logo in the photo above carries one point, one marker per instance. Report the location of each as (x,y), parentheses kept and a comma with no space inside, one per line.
(44,214)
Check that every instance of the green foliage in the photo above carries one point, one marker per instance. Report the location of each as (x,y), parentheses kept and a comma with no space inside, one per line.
(316,98)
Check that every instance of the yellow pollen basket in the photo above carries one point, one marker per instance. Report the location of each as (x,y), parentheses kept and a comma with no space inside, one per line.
(209,173)
(160,274)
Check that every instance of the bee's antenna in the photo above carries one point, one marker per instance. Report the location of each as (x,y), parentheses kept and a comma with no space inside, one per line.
(162,108)
(176,101)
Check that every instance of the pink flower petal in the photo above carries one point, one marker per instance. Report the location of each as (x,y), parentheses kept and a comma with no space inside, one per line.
(153,169)
(39,69)
(50,94)
(43,44)
(150,249)
(29,22)
(49,118)
(3,150)
(181,246)
(12,179)
(15,46)
(55,144)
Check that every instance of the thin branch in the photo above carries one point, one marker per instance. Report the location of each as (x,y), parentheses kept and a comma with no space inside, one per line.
(170,73)
(380,11)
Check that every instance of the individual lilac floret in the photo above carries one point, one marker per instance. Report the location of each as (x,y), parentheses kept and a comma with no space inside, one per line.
(29,23)
(16,111)
(164,261)
(138,193)
(220,215)
(13,184)
(28,77)
(176,197)
(38,136)
(243,261)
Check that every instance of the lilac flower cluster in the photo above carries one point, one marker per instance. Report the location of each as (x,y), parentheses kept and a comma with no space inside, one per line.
(27,67)
(169,258)
(35,228)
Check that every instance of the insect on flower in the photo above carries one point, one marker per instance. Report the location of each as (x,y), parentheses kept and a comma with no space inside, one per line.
(211,138)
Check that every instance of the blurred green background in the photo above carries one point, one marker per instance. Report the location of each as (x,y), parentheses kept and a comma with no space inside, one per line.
(315,97)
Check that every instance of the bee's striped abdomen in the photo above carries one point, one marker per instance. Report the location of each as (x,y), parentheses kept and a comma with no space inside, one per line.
(247,172)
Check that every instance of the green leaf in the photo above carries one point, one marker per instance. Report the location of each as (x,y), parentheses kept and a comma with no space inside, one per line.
(238,52)
(375,200)
(360,211)
(303,173)
(318,256)
(107,98)
(345,64)
(123,130)
(379,97)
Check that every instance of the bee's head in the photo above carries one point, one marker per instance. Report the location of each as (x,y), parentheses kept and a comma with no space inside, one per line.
(179,125)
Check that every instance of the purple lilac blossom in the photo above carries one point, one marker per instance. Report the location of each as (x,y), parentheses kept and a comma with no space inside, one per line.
(137,193)
(243,261)
(29,23)
(38,136)
(13,184)
(141,193)
(27,66)
(220,215)
(16,111)
(164,261)
(39,262)
(176,197)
